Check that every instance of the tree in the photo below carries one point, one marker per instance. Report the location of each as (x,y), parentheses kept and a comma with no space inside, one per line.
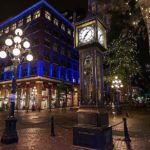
(122,59)
(62,88)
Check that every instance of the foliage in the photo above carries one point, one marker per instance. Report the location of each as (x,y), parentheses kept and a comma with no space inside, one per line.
(122,58)
(61,88)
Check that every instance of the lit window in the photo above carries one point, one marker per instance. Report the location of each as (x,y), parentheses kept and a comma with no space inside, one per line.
(69,31)
(63,27)
(6,30)
(47,15)
(20,23)
(1,32)
(37,14)
(28,18)
(13,26)
(56,22)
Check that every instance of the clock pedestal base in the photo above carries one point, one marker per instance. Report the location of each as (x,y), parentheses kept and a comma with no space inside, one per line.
(92,130)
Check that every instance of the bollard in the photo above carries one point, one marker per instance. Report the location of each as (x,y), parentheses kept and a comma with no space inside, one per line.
(126,133)
(52,126)
(39,108)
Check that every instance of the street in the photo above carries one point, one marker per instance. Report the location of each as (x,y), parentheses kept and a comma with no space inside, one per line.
(34,130)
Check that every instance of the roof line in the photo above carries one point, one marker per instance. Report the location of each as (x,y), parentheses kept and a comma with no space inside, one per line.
(35,6)
(58,13)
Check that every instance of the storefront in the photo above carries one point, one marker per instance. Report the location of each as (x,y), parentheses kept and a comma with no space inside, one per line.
(45,99)
(39,94)
(1,102)
(21,99)
(53,97)
(61,99)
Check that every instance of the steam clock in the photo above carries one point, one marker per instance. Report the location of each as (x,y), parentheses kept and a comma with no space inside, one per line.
(90,39)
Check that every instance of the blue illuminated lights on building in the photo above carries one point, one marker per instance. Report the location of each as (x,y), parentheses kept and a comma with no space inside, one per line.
(70,73)
(19,71)
(55,61)
(28,70)
(33,8)
(74,75)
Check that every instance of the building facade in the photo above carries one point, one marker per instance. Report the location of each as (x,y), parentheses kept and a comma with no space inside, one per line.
(52,79)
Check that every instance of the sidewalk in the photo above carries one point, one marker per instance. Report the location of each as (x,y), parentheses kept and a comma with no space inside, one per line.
(34,133)
(40,139)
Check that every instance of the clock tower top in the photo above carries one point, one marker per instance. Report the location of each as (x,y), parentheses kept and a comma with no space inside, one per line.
(92,30)
(94,7)
(98,8)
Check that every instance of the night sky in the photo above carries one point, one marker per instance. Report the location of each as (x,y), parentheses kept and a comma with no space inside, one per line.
(10,8)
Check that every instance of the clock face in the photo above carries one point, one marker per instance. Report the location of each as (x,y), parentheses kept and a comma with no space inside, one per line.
(86,34)
(100,36)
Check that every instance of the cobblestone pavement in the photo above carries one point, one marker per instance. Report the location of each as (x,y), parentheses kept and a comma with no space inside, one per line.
(40,139)
(36,135)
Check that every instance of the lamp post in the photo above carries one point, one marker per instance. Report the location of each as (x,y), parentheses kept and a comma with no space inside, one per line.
(116,84)
(17,48)
(34,93)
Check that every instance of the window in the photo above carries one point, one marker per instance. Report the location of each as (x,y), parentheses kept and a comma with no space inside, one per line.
(47,15)
(13,26)
(69,54)
(62,76)
(56,22)
(46,54)
(9,75)
(33,69)
(1,32)
(63,51)
(55,47)
(73,34)
(46,69)
(20,23)
(36,14)
(55,71)
(47,42)
(63,27)
(24,72)
(28,19)
(35,42)
(1,76)
(6,30)
(69,31)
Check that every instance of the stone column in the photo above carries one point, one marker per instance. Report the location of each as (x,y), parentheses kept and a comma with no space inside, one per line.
(3,94)
(39,85)
(9,92)
(75,96)
(18,96)
(50,94)
(27,90)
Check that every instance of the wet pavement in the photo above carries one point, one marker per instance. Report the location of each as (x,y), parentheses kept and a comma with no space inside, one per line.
(34,131)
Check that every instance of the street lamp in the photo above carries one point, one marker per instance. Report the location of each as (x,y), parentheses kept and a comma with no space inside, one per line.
(17,47)
(34,93)
(116,84)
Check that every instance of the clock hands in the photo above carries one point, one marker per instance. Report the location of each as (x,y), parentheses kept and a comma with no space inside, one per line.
(86,34)
(100,39)
(100,36)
